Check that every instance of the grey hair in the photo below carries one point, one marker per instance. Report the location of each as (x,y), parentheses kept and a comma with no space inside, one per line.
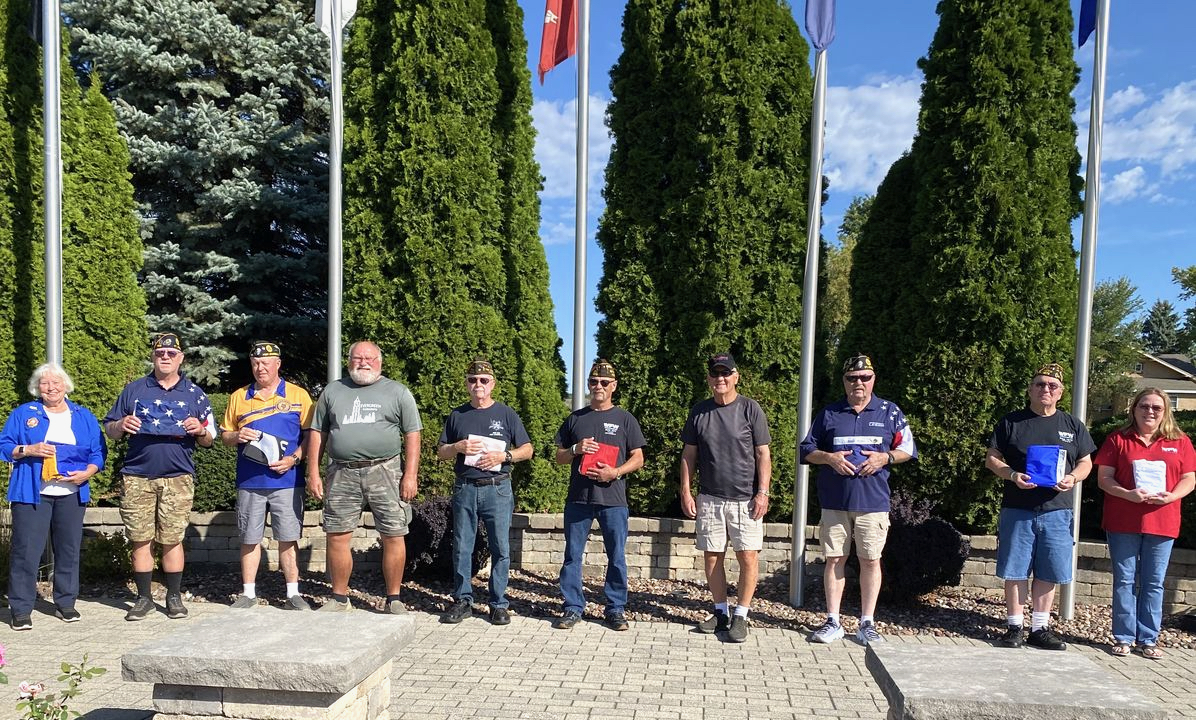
(378,347)
(49,369)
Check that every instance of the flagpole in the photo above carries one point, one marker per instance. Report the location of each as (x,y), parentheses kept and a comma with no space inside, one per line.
(335,248)
(805,393)
(1079,393)
(52,176)
(579,232)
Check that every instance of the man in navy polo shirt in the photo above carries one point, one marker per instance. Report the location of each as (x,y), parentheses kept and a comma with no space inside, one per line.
(164,415)
(855,440)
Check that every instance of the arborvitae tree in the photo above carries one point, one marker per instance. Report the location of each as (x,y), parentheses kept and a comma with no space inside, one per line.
(985,292)
(834,303)
(224,106)
(1115,343)
(703,236)
(442,262)
(1160,329)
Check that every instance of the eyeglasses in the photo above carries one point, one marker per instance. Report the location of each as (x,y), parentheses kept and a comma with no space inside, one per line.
(363,359)
(721,373)
(598,382)
(858,378)
(1151,408)
(478,380)
(172,354)
(1047,385)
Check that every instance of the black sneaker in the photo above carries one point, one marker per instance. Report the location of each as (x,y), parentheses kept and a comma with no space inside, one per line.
(68,614)
(141,609)
(1045,639)
(717,621)
(568,620)
(175,609)
(500,616)
(458,612)
(617,621)
(1013,636)
(22,622)
(739,629)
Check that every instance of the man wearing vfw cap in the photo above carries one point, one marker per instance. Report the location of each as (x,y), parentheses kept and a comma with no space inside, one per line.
(602,443)
(268,422)
(165,416)
(1039,453)
(484,438)
(726,445)
(855,441)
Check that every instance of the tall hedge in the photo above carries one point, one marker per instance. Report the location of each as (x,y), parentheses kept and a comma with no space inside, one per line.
(442,261)
(965,279)
(703,235)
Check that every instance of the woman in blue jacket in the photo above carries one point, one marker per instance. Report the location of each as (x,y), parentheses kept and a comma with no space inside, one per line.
(55,446)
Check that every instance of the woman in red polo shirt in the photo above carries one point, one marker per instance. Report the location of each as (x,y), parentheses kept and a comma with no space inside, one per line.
(1146,466)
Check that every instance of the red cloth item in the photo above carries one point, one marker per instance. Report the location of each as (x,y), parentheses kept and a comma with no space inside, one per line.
(559,41)
(608,454)
(1119,452)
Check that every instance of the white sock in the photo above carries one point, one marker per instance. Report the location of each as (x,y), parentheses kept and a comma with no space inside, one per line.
(249,590)
(292,589)
(865,619)
(741,611)
(1039,620)
(833,617)
(721,607)
(1017,620)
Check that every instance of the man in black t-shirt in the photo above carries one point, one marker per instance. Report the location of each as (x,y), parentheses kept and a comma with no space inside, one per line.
(607,442)
(1040,453)
(484,437)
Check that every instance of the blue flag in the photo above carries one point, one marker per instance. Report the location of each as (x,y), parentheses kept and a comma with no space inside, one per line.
(1087,21)
(820,22)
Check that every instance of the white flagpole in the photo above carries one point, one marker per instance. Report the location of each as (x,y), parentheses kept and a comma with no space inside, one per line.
(335,248)
(1079,392)
(579,233)
(52,176)
(805,393)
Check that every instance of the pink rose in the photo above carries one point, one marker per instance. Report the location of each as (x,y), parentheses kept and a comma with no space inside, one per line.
(2,663)
(30,690)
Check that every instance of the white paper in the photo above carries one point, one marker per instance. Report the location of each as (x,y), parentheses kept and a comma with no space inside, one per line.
(1150,475)
(489,444)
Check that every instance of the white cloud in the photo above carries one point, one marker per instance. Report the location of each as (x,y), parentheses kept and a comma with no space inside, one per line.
(1162,133)
(557,233)
(556,146)
(1126,185)
(867,128)
(1124,100)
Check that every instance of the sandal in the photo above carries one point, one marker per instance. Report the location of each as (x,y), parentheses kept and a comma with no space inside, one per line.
(1150,652)
(1120,650)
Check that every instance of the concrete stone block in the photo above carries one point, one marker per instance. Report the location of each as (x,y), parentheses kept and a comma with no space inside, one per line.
(187,699)
(984,542)
(546,521)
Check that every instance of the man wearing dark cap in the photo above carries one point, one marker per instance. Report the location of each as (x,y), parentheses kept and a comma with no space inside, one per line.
(726,445)
(1040,453)
(165,416)
(268,422)
(602,443)
(484,438)
(855,441)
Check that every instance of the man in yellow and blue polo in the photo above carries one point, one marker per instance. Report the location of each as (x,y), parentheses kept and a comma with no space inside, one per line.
(268,422)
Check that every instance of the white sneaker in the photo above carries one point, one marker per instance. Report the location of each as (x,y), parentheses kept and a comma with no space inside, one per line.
(867,633)
(828,633)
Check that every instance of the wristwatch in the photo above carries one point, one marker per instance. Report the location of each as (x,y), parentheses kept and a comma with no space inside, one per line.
(510,457)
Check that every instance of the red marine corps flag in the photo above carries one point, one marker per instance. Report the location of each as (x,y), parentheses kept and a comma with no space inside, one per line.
(560,34)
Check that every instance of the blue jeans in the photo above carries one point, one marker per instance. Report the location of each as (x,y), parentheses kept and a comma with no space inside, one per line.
(1137,616)
(61,518)
(613,522)
(493,505)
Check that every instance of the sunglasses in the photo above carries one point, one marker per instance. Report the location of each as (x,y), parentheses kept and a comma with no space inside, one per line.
(858,378)
(478,380)
(1151,408)
(172,354)
(721,372)
(1048,385)
(602,383)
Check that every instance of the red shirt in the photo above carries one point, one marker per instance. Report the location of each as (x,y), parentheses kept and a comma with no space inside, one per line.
(1119,451)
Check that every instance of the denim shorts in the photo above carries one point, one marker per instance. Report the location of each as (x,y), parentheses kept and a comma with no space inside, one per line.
(1030,541)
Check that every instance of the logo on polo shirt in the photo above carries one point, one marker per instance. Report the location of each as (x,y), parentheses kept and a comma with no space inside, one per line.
(610,428)
(31,422)
(875,424)
(1066,437)
(1171,450)
(282,406)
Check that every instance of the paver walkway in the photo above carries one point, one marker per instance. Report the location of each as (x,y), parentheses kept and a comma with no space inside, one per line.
(530,670)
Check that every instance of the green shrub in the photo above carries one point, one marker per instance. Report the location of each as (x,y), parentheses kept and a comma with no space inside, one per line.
(105,557)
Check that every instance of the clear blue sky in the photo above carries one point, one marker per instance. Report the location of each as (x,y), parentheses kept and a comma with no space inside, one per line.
(1148,186)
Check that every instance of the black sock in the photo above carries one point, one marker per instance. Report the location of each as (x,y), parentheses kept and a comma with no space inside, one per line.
(142,580)
(174,581)
(391,598)
(340,598)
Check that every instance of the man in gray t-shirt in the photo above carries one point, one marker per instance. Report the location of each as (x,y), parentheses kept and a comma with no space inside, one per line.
(370,428)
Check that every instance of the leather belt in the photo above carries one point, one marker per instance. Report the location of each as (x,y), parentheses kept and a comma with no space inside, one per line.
(356,464)
(486,482)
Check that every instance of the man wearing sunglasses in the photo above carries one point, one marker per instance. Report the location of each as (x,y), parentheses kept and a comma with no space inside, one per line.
(726,445)
(602,443)
(165,416)
(855,441)
(484,438)
(1040,453)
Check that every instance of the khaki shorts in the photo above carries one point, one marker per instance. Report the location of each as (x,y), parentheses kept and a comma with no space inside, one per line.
(720,519)
(349,490)
(839,527)
(156,509)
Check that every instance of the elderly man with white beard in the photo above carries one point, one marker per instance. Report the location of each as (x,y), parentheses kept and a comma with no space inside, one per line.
(370,428)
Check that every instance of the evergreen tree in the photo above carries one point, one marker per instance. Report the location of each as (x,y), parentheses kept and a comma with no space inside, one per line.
(834,303)
(703,235)
(1186,279)
(1115,343)
(224,107)
(1160,329)
(984,290)
(442,261)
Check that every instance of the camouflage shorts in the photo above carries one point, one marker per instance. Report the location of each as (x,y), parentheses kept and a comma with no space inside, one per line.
(156,509)
(349,490)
